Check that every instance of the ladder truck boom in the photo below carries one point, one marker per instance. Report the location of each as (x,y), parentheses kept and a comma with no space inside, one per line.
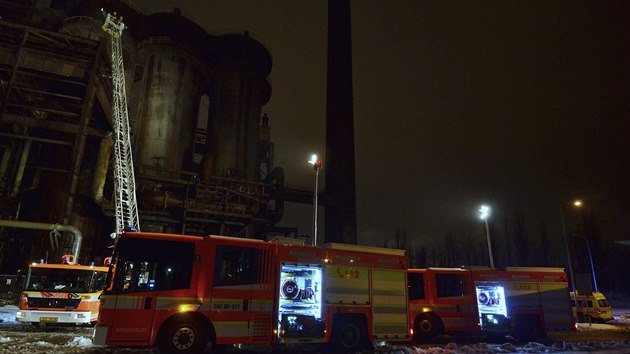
(124,180)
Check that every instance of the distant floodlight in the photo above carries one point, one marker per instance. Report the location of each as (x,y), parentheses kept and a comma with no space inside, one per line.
(314,160)
(484,212)
(317,165)
(578,203)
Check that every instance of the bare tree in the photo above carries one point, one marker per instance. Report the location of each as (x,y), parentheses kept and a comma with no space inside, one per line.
(508,241)
(421,257)
(520,235)
(543,249)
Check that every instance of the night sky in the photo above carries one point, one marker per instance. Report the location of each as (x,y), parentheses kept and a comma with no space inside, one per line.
(456,103)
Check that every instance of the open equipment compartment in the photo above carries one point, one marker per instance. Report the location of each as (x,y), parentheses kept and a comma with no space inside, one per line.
(299,305)
(491,302)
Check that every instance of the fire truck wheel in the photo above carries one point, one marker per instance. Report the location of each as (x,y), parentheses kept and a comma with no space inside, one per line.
(349,334)
(527,328)
(183,335)
(427,327)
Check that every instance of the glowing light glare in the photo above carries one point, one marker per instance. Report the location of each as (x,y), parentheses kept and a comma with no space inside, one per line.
(314,159)
(188,307)
(484,212)
(578,203)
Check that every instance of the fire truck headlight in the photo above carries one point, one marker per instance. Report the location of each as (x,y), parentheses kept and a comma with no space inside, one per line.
(188,307)
(20,314)
(426,309)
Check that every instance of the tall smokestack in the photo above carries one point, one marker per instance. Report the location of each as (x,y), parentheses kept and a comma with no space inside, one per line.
(341,215)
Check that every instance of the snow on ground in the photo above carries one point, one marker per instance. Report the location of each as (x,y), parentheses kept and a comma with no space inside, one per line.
(614,339)
(7,314)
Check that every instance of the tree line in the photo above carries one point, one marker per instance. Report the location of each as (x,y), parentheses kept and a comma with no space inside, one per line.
(519,241)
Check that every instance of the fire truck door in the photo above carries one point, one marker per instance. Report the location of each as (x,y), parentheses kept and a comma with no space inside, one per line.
(242,303)
(133,315)
(455,301)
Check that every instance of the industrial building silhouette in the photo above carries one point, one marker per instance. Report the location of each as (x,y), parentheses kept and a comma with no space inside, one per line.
(201,143)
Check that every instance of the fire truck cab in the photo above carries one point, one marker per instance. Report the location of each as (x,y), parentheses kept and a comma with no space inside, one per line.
(61,293)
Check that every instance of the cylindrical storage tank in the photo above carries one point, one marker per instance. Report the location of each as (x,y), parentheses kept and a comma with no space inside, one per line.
(172,53)
(238,90)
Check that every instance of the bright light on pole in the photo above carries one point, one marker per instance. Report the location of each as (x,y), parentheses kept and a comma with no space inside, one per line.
(576,203)
(317,165)
(484,214)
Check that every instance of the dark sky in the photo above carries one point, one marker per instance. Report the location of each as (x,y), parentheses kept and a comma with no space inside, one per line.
(456,103)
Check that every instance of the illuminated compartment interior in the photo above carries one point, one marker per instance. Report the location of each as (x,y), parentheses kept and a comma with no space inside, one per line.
(491,303)
(300,303)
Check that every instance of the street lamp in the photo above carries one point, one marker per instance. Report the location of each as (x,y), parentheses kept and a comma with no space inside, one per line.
(577,204)
(317,165)
(484,214)
(590,257)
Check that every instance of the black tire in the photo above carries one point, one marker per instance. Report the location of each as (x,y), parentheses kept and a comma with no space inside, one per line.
(426,327)
(349,334)
(527,328)
(183,335)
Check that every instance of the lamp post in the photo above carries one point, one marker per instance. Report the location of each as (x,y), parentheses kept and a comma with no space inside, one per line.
(317,165)
(577,203)
(484,213)
(590,257)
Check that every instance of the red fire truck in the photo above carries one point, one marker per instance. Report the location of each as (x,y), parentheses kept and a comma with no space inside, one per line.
(61,293)
(524,302)
(181,292)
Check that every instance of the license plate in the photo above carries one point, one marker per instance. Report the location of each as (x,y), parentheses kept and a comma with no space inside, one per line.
(48,319)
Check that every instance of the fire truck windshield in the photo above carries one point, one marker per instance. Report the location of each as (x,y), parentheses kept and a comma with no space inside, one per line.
(70,280)
(151,265)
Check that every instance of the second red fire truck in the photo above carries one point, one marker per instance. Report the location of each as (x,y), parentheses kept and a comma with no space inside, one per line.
(524,302)
(182,292)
